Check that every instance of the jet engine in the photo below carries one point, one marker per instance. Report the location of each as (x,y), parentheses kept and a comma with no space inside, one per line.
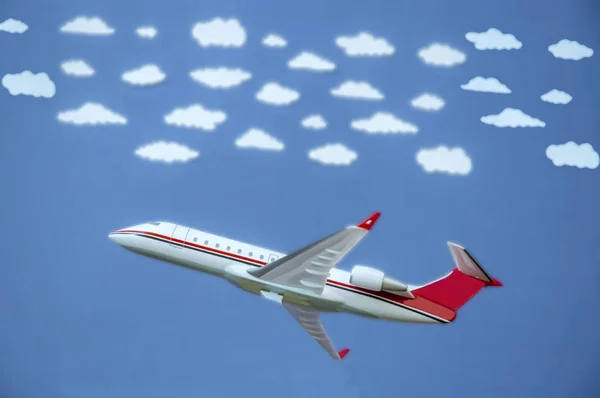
(374,279)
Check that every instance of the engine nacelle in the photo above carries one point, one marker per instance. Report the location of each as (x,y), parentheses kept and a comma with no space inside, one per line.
(374,279)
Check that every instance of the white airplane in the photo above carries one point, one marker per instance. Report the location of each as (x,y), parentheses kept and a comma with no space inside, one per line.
(306,282)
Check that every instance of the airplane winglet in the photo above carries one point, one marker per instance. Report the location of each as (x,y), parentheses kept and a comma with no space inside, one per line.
(343,353)
(369,222)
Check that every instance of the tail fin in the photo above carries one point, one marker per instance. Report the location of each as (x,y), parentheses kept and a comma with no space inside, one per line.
(459,286)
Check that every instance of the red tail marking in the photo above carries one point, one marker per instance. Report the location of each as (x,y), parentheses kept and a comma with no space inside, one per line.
(369,222)
(343,352)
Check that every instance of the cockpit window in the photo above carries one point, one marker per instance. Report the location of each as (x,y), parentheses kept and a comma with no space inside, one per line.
(154,223)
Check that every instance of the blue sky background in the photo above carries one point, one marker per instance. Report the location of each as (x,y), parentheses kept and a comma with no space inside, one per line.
(82,318)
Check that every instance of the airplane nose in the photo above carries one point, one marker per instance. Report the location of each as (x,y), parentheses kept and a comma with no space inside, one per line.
(115,237)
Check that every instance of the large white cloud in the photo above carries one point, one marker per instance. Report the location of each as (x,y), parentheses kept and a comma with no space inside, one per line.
(220,77)
(166,152)
(146,75)
(383,123)
(573,154)
(219,32)
(29,83)
(309,61)
(87,26)
(365,44)
(511,117)
(314,122)
(275,94)
(77,68)
(570,49)
(333,155)
(438,54)
(428,102)
(13,26)
(258,139)
(486,85)
(557,97)
(443,159)
(195,116)
(90,114)
(273,40)
(493,39)
(357,90)
(146,32)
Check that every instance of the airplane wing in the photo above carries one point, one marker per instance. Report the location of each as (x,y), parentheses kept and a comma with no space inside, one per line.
(308,268)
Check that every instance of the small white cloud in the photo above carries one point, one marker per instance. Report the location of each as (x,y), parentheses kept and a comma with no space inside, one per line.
(486,85)
(442,159)
(573,154)
(333,155)
(314,122)
(77,68)
(557,97)
(428,102)
(166,152)
(195,116)
(438,54)
(91,114)
(220,77)
(219,32)
(13,26)
(28,83)
(364,45)
(511,117)
(275,94)
(357,90)
(569,49)
(146,75)
(87,26)
(310,61)
(146,32)
(383,123)
(493,39)
(258,139)
(275,41)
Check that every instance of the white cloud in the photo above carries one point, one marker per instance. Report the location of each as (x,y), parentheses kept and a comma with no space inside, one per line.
(275,94)
(77,68)
(428,102)
(13,26)
(258,139)
(557,97)
(166,152)
(310,61)
(146,32)
(90,114)
(443,159)
(486,85)
(573,154)
(314,122)
(195,116)
(333,155)
(87,26)
(511,117)
(220,77)
(273,40)
(28,83)
(438,54)
(383,123)
(364,45)
(570,49)
(357,90)
(146,75)
(493,39)
(219,32)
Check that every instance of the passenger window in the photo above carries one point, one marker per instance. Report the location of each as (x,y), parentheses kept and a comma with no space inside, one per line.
(228,248)
(195,239)
(261,256)
(217,245)
(206,242)
(239,251)
(250,254)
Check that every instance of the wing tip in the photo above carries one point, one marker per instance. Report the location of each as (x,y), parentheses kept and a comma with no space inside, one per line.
(343,353)
(370,221)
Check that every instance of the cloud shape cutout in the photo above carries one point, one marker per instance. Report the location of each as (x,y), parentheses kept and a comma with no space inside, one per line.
(438,54)
(275,94)
(428,102)
(146,75)
(442,159)
(333,155)
(29,83)
(87,26)
(258,139)
(383,123)
(146,32)
(557,97)
(494,39)
(571,50)
(486,85)
(195,116)
(274,41)
(166,152)
(309,61)
(364,44)
(357,90)
(314,122)
(13,26)
(573,154)
(91,114)
(77,68)
(511,117)
(220,78)
(218,32)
